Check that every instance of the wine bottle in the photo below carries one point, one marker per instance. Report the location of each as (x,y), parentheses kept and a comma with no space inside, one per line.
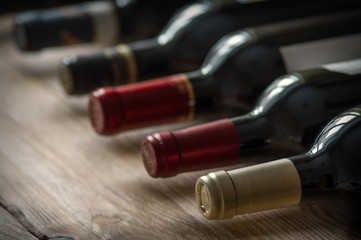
(293,108)
(240,65)
(105,22)
(182,45)
(333,162)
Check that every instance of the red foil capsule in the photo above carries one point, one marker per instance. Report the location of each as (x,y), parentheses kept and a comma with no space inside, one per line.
(204,146)
(153,102)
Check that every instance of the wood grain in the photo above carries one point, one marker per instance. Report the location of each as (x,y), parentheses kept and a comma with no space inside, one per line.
(62,181)
(11,229)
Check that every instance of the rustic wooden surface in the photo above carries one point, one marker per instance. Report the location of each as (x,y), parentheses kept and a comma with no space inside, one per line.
(59,180)
(10,228)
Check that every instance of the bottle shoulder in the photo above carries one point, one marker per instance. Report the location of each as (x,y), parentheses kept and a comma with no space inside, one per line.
(339,143)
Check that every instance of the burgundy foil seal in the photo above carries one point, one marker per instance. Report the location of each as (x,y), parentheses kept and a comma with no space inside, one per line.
(158,101)
(203,146)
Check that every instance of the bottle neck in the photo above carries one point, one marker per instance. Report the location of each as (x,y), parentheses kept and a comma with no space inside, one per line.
(205,90)
(315,171)
(253,131)
(151,58)
(167,52)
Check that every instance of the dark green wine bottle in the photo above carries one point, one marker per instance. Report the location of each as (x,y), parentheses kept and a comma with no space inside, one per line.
(333,162)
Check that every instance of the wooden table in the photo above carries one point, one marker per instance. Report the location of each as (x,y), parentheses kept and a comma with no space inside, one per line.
(60,180)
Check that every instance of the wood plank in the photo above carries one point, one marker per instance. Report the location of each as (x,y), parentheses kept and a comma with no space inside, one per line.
(60,179)
(34,207)
(11,229)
